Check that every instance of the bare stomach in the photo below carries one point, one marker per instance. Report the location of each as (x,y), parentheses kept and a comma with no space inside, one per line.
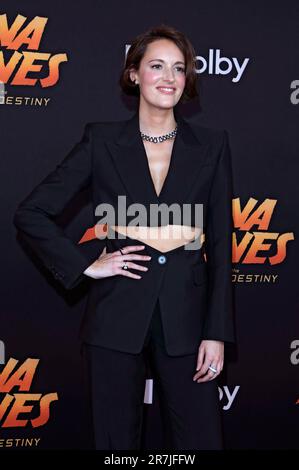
(164,238)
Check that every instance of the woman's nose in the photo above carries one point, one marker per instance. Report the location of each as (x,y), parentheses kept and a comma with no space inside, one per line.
(168,76)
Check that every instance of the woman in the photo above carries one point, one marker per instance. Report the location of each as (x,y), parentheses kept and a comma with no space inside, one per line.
(156,292)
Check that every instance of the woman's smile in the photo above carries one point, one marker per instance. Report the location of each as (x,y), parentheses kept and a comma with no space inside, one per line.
(167,90)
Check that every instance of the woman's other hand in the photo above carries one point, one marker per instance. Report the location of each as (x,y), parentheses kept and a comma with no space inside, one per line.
(210,356)
(110,264)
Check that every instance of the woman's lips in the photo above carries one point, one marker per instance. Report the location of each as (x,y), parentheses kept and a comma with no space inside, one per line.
(166,91)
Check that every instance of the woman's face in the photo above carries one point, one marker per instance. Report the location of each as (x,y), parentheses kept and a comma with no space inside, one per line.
(163,65)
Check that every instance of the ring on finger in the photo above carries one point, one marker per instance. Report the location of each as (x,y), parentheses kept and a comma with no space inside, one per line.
(124,266)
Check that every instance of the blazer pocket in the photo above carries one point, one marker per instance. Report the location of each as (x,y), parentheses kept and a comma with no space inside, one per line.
(200,274)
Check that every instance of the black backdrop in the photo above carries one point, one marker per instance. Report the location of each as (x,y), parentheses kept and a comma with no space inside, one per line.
(259,108)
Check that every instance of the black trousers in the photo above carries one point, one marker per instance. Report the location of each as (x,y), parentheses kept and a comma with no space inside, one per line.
(116,386)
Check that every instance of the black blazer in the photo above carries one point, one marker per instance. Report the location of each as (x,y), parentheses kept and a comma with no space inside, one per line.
(194,287)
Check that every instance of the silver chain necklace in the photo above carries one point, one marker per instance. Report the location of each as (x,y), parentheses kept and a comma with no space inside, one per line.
(160,138)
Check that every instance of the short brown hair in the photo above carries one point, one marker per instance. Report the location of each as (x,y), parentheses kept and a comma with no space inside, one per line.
(137,51)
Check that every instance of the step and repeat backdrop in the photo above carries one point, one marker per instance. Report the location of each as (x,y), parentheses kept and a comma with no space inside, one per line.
(59,68)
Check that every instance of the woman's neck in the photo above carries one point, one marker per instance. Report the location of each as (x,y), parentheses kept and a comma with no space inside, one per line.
(156,122)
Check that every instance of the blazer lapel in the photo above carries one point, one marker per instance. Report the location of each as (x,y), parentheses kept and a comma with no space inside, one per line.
(130,159)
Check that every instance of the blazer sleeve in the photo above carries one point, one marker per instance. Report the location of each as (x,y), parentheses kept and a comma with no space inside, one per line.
(219,321)
(34,216)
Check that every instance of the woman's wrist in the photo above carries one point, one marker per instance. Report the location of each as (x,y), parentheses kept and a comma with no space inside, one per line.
(89,271)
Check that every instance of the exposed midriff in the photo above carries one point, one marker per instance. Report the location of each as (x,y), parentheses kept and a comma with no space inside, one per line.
(165,238)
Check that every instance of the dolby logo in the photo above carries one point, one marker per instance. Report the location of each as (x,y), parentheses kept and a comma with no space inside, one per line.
(216,64)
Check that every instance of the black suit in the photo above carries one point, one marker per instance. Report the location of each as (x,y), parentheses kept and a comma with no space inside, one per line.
(195,295)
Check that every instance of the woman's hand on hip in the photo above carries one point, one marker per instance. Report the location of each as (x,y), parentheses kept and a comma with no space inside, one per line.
(209,360)
(110,264)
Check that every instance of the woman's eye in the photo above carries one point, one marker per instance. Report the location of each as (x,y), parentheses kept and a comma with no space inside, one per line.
(181,69)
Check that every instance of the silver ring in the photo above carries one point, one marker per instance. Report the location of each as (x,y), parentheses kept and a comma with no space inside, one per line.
(125,264)
(213,369)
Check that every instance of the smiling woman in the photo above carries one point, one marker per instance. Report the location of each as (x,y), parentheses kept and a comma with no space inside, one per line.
(184,55)
(162,67)
(151,296)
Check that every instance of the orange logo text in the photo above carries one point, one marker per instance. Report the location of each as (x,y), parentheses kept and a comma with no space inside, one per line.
(22,64)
